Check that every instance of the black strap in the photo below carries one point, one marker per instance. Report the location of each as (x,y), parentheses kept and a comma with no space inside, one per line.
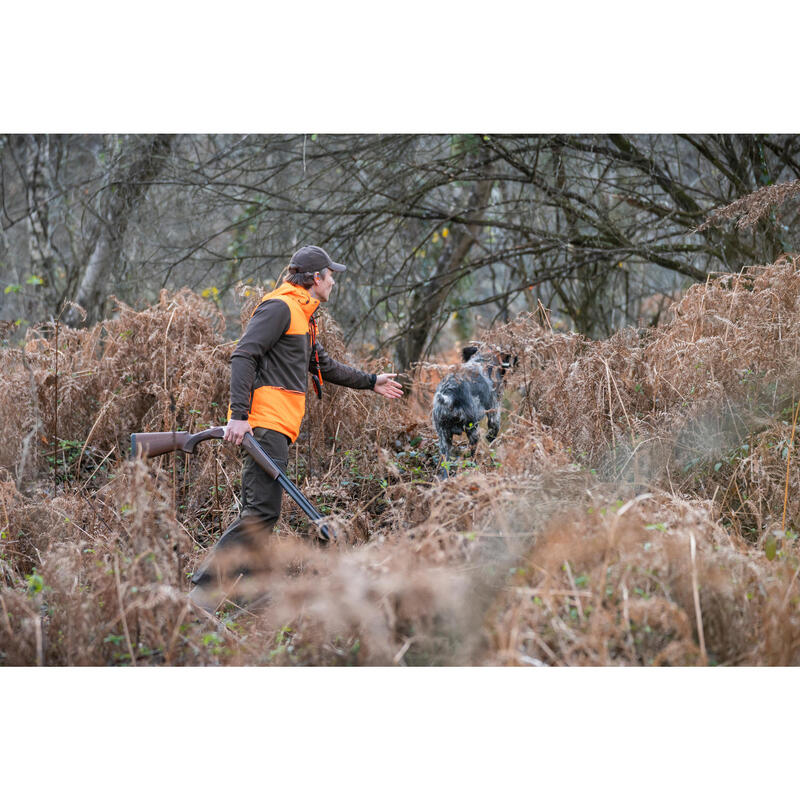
(316,379)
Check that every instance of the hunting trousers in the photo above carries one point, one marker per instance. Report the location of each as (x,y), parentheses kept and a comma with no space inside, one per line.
(236,549)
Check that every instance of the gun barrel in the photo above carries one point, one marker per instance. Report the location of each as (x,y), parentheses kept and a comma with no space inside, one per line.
(261,457)
(326,531)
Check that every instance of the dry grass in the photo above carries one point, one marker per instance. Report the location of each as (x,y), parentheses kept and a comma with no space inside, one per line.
(639,507)
(754,206)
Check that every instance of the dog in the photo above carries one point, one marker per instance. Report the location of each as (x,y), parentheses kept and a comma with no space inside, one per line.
(464,397)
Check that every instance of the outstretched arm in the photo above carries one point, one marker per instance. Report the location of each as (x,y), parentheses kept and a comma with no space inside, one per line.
(343,375)
(386,386)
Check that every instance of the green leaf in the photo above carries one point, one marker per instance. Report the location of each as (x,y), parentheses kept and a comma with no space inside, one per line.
(34,280)
(657,526)
(35,582)
(12,287)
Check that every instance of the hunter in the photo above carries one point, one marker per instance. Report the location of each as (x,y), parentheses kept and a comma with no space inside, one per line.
(268,396)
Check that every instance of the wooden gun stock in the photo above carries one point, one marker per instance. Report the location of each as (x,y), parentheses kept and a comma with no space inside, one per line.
(149,445)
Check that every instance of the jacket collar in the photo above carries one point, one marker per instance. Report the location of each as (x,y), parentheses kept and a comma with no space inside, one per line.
(300,295)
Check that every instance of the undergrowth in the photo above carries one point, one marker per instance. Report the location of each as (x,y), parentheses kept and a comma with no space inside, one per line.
(639,507)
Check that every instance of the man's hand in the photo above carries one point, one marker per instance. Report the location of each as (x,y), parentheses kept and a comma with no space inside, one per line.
(236,429)
(387,387)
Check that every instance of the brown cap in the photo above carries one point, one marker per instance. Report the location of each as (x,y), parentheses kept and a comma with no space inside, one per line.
(313,259)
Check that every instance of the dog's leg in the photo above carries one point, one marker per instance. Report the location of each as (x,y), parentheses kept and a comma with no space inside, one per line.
(492,424)
(445,445)
(473,433)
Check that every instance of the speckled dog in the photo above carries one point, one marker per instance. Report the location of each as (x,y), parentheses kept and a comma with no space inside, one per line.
(464,397)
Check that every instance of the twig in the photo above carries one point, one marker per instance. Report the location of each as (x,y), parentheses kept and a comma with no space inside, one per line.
(86,483)
(166,341)
(37,425)
(633,501)
(216,516)
(176,630)
(575,592)
(122,610)
(37,628)
(627,615)
(5,511)
(404,649)
(55,418)
(610,408)
(544,592)
(534,637)
(91,430)
(335,438)
(730,307)
(696,595)
(624,411)
(788,461)
(633,453)
(6,617)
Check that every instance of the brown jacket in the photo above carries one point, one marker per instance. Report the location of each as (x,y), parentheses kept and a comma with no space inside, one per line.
(270,366)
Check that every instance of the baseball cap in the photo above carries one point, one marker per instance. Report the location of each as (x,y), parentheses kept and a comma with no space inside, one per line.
(313,259)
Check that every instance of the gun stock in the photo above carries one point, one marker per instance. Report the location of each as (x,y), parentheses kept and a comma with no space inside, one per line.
(149,445)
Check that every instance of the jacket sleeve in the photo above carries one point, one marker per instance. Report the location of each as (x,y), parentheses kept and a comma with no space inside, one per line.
(269,322)
(340,374)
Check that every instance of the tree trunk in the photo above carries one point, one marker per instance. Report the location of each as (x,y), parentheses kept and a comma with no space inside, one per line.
(426,301)
(37,157)
(139,164)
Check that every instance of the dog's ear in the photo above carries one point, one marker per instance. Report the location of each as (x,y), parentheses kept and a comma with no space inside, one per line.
(468,352)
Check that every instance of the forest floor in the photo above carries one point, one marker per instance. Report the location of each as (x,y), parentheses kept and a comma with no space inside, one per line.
(640,506)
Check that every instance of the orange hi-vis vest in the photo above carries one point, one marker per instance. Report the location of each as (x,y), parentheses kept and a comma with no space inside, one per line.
(278,399)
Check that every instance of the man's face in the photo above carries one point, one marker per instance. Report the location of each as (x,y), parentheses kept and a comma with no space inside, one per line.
(324,285)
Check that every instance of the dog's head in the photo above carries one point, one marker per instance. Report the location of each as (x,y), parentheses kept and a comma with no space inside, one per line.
(494,362)
(468,352)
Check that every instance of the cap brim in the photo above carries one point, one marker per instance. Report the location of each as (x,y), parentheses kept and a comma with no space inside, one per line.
(338,267)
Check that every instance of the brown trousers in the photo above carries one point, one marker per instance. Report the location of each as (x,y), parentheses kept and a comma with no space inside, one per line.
(234,554)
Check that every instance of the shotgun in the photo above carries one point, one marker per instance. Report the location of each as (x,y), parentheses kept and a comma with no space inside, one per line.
(149,445)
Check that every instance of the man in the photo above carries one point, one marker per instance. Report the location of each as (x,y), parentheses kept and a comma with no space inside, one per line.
(269,375)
